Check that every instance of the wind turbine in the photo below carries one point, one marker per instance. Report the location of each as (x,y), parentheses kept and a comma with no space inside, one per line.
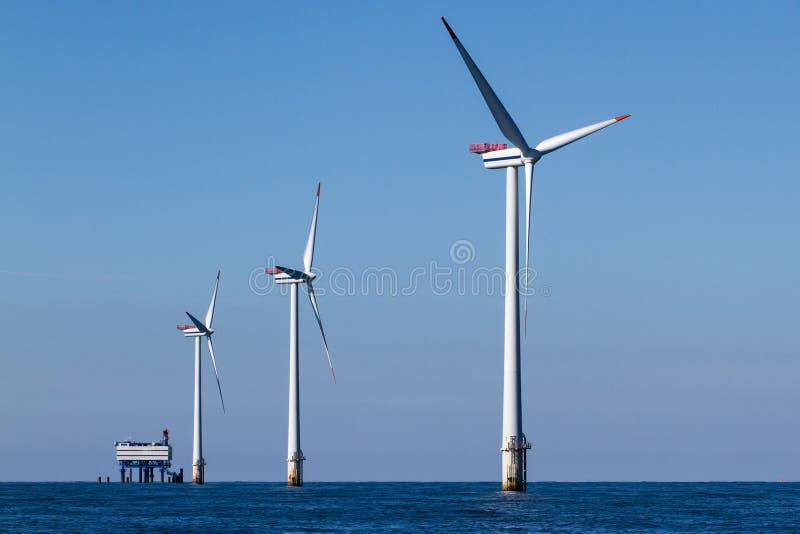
(514,444)
(198,330)
(294,277)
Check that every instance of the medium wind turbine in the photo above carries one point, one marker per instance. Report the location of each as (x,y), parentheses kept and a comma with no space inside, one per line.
(294,277)
(514,444)
(197,330)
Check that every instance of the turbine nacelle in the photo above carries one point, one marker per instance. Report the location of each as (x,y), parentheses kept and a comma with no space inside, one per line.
(499,156)
(189,330)
(284,275)
(194,332)
(507,157)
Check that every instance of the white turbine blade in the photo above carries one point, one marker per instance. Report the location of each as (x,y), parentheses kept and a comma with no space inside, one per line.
(499,112)
(308,255)
(216,373)
(528,193)
(554,143)
(200,326)
(313,299)
(210,312)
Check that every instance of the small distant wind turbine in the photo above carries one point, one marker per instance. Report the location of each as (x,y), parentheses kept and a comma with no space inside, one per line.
(514,444)
(198,330)
(294,277)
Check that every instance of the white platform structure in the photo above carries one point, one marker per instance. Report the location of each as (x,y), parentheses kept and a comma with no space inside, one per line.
(514,444)
(146,456)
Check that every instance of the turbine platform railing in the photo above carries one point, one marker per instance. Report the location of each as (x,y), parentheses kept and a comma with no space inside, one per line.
(516,444)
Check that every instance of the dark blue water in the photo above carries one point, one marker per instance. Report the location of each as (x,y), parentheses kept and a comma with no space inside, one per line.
(401,507)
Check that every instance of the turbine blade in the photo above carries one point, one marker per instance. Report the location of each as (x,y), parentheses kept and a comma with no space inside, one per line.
(308,255)
(210,312)
(561,140)
(197,324)
(499,112)
(312,297)
(528,193)
(216,373)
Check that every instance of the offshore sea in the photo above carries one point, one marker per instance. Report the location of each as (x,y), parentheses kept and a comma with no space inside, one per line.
(401,507)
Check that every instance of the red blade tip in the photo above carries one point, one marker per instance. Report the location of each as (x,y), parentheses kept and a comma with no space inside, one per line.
(449,29)
(622,117)
(319,184)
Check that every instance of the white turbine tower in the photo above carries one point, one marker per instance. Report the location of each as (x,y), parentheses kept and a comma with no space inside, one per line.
(514,445)
(284,275)
(198,330)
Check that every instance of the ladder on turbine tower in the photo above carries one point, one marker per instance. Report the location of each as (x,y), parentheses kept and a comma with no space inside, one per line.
(519,445)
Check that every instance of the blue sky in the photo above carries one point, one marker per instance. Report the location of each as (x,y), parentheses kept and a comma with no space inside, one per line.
(145,146)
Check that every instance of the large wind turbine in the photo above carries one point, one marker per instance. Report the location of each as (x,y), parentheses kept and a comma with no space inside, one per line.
(197,330)
(294,277)
(514,444)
